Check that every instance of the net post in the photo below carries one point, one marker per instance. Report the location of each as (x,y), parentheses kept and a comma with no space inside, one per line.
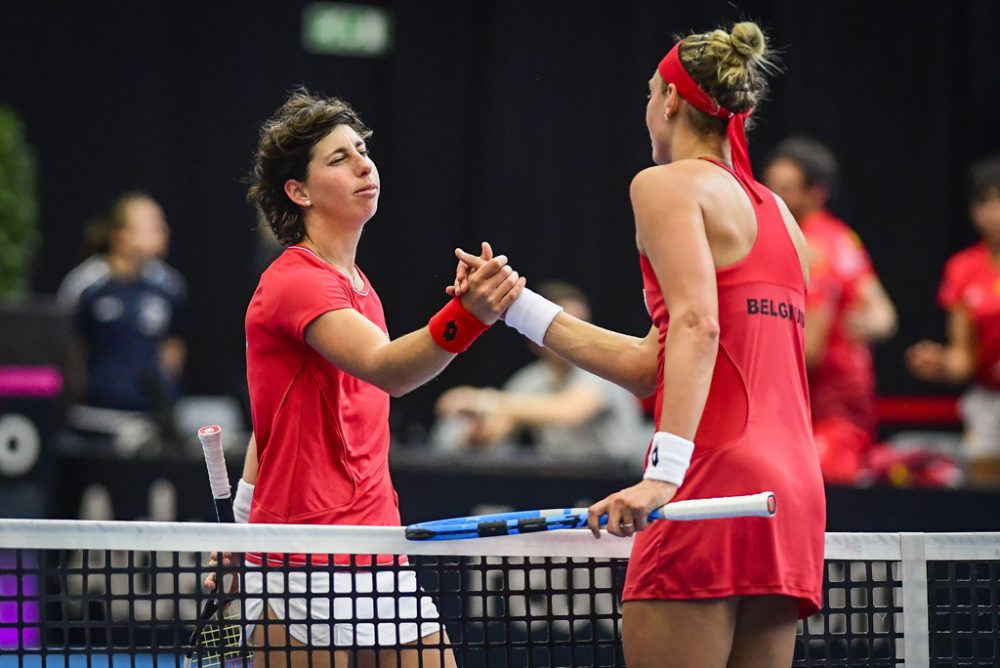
(916,638)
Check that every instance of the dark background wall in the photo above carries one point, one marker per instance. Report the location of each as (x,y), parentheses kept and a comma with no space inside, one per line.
(516,122)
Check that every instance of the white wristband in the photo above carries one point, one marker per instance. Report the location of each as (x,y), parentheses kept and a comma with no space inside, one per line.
(531,314)
(669,458)
(242,501)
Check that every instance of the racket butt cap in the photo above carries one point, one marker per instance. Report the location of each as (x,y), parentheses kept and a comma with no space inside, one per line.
(417,533)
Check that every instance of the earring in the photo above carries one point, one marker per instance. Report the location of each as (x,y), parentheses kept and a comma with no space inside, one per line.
(666,116)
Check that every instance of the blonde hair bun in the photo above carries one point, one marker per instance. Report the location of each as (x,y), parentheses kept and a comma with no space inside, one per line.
(730,66)
(748,40)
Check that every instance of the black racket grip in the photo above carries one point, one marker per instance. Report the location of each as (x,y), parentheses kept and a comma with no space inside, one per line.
(224,510)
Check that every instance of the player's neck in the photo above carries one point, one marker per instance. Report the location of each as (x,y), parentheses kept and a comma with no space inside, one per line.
(689,146)
(122,266)
(338,252)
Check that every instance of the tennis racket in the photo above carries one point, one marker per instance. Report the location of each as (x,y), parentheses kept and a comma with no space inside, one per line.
(763,504)
(215,642)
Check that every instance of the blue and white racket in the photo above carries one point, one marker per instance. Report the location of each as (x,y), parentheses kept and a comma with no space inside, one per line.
(763,504)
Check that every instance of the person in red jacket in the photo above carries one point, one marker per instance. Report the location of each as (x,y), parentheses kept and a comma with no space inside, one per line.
(847,310)
(724,268)
(970,293)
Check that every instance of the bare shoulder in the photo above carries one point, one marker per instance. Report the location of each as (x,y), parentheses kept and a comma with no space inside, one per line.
(676,176)
(664,189)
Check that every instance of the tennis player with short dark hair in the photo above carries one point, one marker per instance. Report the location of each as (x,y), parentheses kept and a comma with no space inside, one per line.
(724,267)
(320,369)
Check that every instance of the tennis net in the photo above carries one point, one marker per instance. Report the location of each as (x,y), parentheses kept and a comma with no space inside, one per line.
(76,593)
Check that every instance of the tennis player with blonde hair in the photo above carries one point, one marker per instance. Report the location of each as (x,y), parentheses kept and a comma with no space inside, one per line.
(724,268)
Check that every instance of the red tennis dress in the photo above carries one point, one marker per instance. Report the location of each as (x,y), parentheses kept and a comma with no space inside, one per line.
(754,436)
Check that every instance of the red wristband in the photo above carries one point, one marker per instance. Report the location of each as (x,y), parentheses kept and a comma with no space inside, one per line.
(453,328)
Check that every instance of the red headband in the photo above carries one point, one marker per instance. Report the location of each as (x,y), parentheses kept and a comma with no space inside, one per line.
(673,71)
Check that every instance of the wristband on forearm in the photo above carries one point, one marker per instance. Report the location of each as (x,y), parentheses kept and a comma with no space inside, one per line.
(531,314)
(242,501)
(669,458)
(453,328)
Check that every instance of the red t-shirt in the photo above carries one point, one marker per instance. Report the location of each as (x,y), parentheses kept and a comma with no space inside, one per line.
(843,383)
(322,434)
(972,281)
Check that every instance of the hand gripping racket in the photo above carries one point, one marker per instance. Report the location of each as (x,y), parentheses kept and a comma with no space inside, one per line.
(216,642)
(763,504)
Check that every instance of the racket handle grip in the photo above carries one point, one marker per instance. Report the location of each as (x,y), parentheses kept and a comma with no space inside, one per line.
(224,511)
(762,504)
(211,443)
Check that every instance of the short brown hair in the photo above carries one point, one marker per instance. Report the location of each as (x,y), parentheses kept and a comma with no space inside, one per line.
(816,160)
(284,150)
(730,67)
(984,180)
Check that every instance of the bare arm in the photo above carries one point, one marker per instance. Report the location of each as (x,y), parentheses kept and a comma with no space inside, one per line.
(353,343)
(954,362)
(569,408)
(873,319)
(671,228)
(250,463)
(626,360)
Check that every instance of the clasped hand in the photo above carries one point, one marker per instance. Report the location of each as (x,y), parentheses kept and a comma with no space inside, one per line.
(487,285)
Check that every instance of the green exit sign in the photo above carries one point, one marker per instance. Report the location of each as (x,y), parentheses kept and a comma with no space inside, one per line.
(341,29)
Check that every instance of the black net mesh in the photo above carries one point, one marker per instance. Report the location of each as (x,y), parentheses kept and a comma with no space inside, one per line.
(964,613)
(860,623)
(85,608)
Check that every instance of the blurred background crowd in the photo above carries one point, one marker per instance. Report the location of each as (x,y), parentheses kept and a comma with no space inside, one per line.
(128,253)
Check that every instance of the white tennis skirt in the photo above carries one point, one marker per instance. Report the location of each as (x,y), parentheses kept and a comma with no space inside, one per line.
(343,608)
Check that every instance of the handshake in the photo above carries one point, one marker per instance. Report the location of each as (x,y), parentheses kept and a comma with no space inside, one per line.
(489,289)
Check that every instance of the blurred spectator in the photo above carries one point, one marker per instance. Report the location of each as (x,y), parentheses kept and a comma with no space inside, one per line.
(970,293)
(847,309)
(563,411)
(129,308)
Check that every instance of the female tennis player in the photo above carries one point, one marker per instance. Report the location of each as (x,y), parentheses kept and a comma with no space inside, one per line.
(724,270)
(970,293)
(320,369)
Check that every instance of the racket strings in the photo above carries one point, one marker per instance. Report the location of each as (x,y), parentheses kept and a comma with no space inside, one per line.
(220,641)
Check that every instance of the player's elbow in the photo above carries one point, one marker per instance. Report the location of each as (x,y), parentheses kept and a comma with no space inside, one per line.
(397,389)
(647,385)
(700,327)
(891,322)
